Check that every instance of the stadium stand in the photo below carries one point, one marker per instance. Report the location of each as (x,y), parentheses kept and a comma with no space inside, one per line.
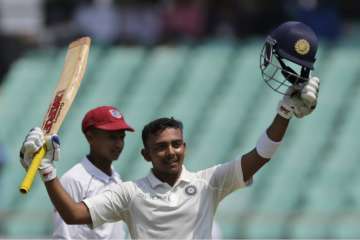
(216,89)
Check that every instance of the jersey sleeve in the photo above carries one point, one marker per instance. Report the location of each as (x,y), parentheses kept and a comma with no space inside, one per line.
(226,178)
(111,205)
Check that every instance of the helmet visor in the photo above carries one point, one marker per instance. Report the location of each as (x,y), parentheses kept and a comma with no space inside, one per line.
(278,73)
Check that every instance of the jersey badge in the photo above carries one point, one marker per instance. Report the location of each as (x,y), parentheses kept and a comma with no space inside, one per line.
(190,190)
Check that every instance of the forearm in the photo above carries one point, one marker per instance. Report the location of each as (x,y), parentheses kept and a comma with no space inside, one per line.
(255,159)
(277,129)
(295,102)
(70,211)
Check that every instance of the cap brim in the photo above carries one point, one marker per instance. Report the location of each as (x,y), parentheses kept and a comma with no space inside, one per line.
(296,60)
(114,126)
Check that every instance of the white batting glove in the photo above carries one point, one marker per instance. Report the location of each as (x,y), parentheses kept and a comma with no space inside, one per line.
(34,140)
(301,100)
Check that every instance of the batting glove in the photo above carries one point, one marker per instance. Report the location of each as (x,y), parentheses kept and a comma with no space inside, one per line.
(34,140)
(300,100)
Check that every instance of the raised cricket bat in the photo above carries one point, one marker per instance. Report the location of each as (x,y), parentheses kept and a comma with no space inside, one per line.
(64,94)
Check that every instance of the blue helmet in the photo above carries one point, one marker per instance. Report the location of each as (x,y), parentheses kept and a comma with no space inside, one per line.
(290,45)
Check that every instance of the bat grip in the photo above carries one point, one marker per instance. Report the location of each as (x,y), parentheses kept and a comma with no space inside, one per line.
(31,172)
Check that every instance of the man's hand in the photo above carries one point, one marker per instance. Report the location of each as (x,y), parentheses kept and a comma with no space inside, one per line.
(300,100)
(34,140)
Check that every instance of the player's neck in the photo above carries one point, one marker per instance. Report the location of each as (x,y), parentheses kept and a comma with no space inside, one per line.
(102,164)
(168,178)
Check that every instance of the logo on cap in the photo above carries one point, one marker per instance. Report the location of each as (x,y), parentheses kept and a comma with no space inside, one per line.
(302,46)
(115,113)
(190,190)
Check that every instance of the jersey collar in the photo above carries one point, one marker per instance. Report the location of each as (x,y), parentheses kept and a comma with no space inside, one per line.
(185,176)
(97,173)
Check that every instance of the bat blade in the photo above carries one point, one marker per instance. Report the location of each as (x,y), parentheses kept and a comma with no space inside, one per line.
(64,94)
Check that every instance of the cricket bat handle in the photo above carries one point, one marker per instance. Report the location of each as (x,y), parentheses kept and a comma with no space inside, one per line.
(32,170)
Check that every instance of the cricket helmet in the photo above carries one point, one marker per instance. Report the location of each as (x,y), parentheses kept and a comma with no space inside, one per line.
(288,56)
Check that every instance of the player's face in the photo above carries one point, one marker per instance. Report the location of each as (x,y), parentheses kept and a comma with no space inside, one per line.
(106,145)
(166,152)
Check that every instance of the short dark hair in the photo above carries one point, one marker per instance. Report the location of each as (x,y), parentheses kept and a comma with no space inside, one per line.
(158,125)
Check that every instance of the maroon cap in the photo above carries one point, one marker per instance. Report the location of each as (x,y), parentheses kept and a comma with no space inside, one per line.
(105,118)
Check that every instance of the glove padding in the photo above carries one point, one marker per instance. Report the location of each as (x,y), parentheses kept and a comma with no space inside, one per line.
(34,140)
(300,100)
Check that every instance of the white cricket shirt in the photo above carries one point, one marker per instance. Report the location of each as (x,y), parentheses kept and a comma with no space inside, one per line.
(154,209)
(82,181)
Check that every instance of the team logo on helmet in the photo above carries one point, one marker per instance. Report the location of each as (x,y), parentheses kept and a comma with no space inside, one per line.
(115,113)
(190,190)
(302,46)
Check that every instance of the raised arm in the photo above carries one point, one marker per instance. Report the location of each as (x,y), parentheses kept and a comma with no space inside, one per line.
(71,211)
(253,161)
(297,102)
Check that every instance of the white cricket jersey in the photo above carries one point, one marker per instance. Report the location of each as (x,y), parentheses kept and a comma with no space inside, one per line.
(154,209)
(82,181)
